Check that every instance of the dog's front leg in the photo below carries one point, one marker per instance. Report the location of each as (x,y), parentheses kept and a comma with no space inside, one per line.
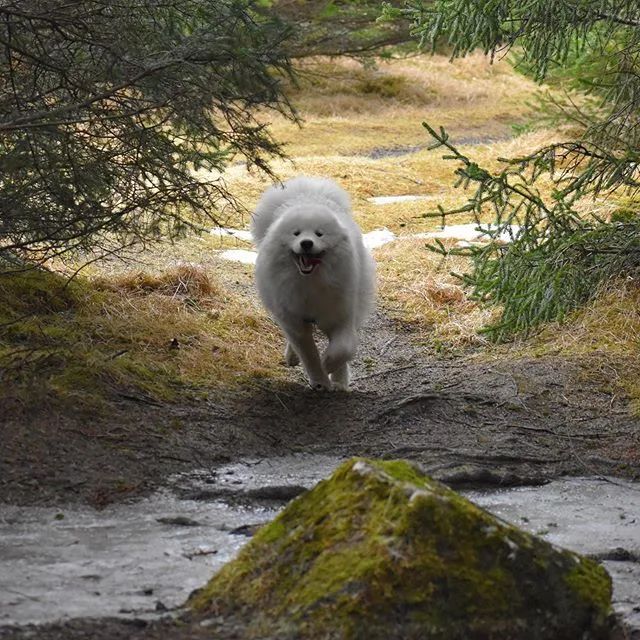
(301,339)
(340,377)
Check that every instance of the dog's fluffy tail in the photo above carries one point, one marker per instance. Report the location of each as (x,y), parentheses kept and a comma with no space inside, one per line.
(273,200)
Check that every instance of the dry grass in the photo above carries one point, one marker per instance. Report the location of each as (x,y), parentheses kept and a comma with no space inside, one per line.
(205,334)
(417,287)
(607,331)
(153,334)
(611,322)
(353,110)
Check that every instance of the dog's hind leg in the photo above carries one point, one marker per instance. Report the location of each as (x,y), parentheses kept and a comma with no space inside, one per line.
(301,341)
(340,377)
(291,358)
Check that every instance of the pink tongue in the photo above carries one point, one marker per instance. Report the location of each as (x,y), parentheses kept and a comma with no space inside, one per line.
(307,261)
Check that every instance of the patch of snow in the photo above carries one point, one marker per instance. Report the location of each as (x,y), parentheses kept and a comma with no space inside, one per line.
(224,232)
(239,255)
(470,233)
(466,234)
(378,237)
(393,199)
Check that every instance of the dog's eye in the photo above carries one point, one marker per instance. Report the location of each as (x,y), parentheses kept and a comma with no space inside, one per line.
(296,233)
(319,234)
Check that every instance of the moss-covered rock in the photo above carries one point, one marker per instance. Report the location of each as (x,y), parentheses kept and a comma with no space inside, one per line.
(379,550)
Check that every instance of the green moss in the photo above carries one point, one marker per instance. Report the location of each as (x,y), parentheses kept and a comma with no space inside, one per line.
(36,291)
(271,532)
(625,215)
(379,546)
(401,470)
(590,582)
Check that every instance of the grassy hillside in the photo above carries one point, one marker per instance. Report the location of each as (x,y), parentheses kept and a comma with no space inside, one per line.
(178,319)
(143,334)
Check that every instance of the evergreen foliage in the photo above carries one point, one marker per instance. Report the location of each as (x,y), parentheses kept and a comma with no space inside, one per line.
(108,109)
(560,254)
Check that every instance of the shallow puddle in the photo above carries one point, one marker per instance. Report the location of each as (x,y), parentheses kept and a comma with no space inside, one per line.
(63,563)
(141,558)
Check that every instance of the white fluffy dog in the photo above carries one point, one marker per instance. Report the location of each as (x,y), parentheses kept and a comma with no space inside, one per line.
(313,268)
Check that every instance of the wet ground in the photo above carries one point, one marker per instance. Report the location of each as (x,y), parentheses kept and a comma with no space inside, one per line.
(90,525)
(140,560)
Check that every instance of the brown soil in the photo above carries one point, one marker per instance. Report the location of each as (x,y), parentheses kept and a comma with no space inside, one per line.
(467,421)
(470,422)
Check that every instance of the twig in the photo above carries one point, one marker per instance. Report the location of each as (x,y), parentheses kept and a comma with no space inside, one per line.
(387,344)
(134,398)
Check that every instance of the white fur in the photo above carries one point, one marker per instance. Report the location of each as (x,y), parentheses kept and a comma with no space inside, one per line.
(337,295)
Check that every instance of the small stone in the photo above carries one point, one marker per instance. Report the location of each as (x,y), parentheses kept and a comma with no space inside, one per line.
(245,530)
(277,493)
(181,521)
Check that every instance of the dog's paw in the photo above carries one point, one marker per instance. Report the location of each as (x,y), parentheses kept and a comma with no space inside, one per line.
(340,386)
(340,378)
(320,385)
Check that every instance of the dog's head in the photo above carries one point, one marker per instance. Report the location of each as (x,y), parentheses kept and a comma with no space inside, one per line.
(311,232)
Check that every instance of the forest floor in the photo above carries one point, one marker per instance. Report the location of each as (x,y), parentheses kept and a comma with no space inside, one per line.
(469,421)
(427,387)
(517,421)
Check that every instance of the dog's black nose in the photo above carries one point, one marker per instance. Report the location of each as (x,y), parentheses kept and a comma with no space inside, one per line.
(306,245)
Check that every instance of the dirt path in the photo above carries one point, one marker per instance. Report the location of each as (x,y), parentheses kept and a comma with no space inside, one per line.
(469,422)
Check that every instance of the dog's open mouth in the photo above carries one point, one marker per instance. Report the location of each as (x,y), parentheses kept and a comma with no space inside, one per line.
(307,262)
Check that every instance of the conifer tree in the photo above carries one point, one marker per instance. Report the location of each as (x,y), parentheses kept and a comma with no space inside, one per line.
(560,256)
(116,118)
